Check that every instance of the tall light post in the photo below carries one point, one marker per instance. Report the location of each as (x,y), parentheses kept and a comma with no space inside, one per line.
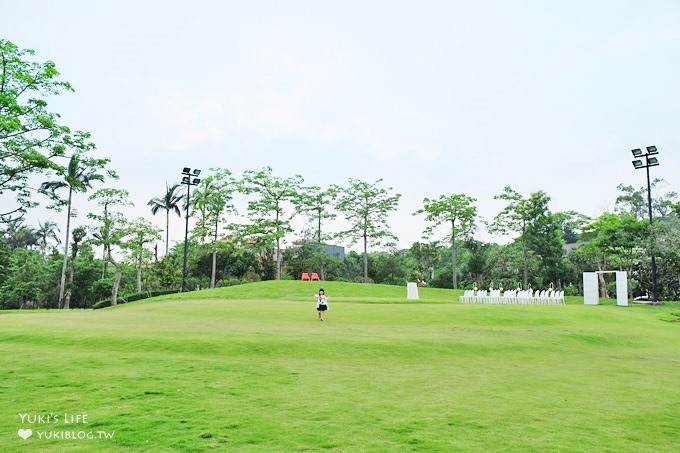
(190,179)
(638,164)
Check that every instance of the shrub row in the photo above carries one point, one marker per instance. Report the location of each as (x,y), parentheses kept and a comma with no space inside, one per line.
(133,297)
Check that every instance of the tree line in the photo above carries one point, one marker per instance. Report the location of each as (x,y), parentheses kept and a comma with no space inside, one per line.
(115,257)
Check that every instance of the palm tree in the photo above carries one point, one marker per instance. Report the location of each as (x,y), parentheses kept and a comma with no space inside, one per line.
(79,234)
(169,202)
(78,177)
(18,235)
(46,231)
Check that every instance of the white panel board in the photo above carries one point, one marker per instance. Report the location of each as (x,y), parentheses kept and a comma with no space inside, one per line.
(412,290)
(590,292)
(621,288)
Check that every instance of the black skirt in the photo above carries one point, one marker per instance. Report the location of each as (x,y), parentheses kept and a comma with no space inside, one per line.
(322,307)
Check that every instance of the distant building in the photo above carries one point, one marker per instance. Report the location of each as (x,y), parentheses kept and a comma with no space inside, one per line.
(331,250)
(335,250)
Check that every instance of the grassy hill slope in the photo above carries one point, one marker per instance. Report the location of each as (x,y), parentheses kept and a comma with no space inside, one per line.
(250,368)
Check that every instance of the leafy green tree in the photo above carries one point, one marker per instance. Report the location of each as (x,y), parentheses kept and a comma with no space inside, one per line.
(30,135)
(139,233)
(4,260)
(106,199)
(459,213)
(665,244)
(539,232)
(308,256)
(632,201)
(212,199)
(514,218)
(269,221)
(113,228)
(544,237)
(317,203)
(232,262)
(27,281)
(353,267)
(612,242)
(389,268)
(167,272)
(572,224)
(87,274)
(479,268)
(675,208)
(366,207)
(238,260)
(635,201)
(170,201)
(426,257)
(81,172)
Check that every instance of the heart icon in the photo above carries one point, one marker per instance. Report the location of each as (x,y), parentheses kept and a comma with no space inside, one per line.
(25,433)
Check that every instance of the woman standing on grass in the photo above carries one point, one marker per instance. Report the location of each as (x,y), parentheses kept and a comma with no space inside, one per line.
(321,303)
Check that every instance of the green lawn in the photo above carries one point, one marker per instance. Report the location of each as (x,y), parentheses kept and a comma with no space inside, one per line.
(250,368)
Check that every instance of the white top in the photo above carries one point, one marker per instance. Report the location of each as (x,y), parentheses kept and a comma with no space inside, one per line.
(321,300)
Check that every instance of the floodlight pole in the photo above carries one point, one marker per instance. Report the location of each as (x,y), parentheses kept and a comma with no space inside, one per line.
(655,293)
(649,163)
(186,179)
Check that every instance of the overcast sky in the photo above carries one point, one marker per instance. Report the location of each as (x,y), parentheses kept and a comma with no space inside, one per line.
(435,97)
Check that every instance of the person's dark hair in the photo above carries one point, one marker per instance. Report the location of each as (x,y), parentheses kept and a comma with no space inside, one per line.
(321,289)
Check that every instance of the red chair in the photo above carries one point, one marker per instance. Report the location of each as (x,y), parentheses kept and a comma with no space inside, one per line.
(305,276)
(315,276)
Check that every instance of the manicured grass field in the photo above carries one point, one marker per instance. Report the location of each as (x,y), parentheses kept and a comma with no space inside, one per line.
(250,368)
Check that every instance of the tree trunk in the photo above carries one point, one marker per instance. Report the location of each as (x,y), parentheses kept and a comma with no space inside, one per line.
(526,264)
(167,231)
(278,246)
(365,257)
(277,258)
(67,293)
(71,271)
(139,275)
(214,268)
(63,268)
(116,281)
(454,263)
(601,283)
(214,255)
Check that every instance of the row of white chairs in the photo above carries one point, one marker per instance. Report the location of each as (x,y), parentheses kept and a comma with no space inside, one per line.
(496,296)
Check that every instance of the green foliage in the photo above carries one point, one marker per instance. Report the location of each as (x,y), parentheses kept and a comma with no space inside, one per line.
(168,202)
(27,281)
(31,137)
(139,233)
(635,202)
(540,234)
(425,258)
(389,268)
(353,267)
(212,201)
(232,261)
(18,235)
(366,207)
(132,298)
(458,213)
(664,243)
(267,210)
(317,203)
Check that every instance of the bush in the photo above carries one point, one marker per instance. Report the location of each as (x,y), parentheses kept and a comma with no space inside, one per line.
(133,297)
(571,290)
